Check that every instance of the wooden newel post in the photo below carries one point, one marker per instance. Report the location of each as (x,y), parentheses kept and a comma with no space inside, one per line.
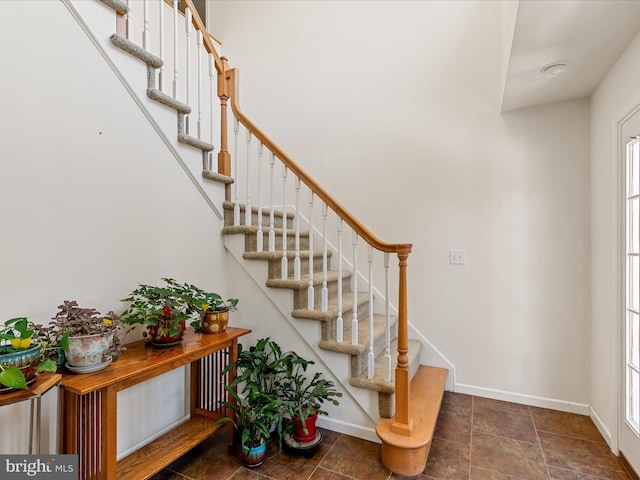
(402,423)
(224,158)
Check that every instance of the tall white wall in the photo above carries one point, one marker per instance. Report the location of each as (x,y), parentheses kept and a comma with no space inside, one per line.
(617,96)
(91,200)
(393,107)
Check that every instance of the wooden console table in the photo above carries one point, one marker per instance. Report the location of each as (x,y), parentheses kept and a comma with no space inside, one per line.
(89,404)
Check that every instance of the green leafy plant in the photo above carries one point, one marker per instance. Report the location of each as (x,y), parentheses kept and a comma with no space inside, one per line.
(213,302)
(173,302)
(16,335)
(71,320)
(254,413)
(304,396)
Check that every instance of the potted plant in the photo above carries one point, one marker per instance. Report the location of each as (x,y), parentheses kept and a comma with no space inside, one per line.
(88,338)
(216,312)
(21,355)
(304,398)
(165,310)
(267,367)
(253,415)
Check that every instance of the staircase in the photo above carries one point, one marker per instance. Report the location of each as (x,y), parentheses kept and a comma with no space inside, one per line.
(353,317)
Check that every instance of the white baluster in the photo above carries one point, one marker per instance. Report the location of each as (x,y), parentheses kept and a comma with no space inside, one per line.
(175,49)
(370,356)
(354,283)
(146,35)
(325,290)
(310,290)
(129,20)
(296,261)
(187,31)
(284,265)
(199,92)
(272,228)
(161,51)
(236,207)
(339,320)
(247,208)
(212,96)
(260,235)
(387,348)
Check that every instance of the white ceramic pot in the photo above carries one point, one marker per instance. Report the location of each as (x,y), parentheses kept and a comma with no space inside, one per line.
(88,350)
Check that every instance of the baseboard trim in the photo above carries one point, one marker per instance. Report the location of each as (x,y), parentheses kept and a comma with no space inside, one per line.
(543,402)
(339,426)
(630,470)
(604,431)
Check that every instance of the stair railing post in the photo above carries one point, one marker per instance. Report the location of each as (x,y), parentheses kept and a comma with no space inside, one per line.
(402,423)
(224,158)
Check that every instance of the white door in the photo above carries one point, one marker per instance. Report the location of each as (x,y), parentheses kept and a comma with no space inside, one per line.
(629,441)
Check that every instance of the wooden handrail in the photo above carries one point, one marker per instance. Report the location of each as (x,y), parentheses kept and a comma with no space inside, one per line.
(233,77)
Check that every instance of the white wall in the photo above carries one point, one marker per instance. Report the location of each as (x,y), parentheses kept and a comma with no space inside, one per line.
(401,99)
(616,97)
(91,200)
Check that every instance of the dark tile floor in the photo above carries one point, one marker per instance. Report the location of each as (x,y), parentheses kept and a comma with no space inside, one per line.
(476,439)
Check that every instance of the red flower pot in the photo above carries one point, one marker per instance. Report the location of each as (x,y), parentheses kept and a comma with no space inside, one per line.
(298,430)
(158,338)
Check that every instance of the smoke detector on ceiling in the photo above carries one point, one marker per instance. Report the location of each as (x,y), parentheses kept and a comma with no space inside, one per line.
(554,69)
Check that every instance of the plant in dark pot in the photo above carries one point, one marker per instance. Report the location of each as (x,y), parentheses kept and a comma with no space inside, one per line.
(90,340)
(304,398)
(21,355)
(252,414)
(165,310)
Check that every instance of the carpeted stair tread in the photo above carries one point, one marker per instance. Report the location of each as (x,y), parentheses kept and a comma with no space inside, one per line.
(253,229)
(378,382)
(363,337)
(169,101)
(332,308)
(140,53)
(277,255)
(195,142)
(332,276)
(118,5)
(229,207)
(217,177)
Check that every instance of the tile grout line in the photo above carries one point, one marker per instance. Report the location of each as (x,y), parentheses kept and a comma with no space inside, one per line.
(323,458)
(544,457)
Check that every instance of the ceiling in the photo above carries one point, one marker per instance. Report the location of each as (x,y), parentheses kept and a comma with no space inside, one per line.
(587,35)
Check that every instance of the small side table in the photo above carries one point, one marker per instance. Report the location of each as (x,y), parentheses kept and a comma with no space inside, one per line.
(44,383)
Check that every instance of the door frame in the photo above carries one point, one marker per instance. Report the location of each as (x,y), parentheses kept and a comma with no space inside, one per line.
(620,336)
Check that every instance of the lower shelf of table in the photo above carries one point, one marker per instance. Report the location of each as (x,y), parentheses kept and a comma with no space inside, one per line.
(164,450)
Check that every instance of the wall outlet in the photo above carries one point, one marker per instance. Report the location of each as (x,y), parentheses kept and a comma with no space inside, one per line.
(456,257)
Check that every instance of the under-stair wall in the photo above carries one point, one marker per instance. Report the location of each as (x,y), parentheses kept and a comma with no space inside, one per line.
(92,200)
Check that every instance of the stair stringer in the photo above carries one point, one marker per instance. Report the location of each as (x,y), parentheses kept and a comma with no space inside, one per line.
(98,22)
(336,365)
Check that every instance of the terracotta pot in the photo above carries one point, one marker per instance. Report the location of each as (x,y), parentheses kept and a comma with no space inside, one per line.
(310,424)
(214,322)
(158,338)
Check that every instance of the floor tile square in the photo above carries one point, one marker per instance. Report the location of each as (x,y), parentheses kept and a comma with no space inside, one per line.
(507,456)
(504,423)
